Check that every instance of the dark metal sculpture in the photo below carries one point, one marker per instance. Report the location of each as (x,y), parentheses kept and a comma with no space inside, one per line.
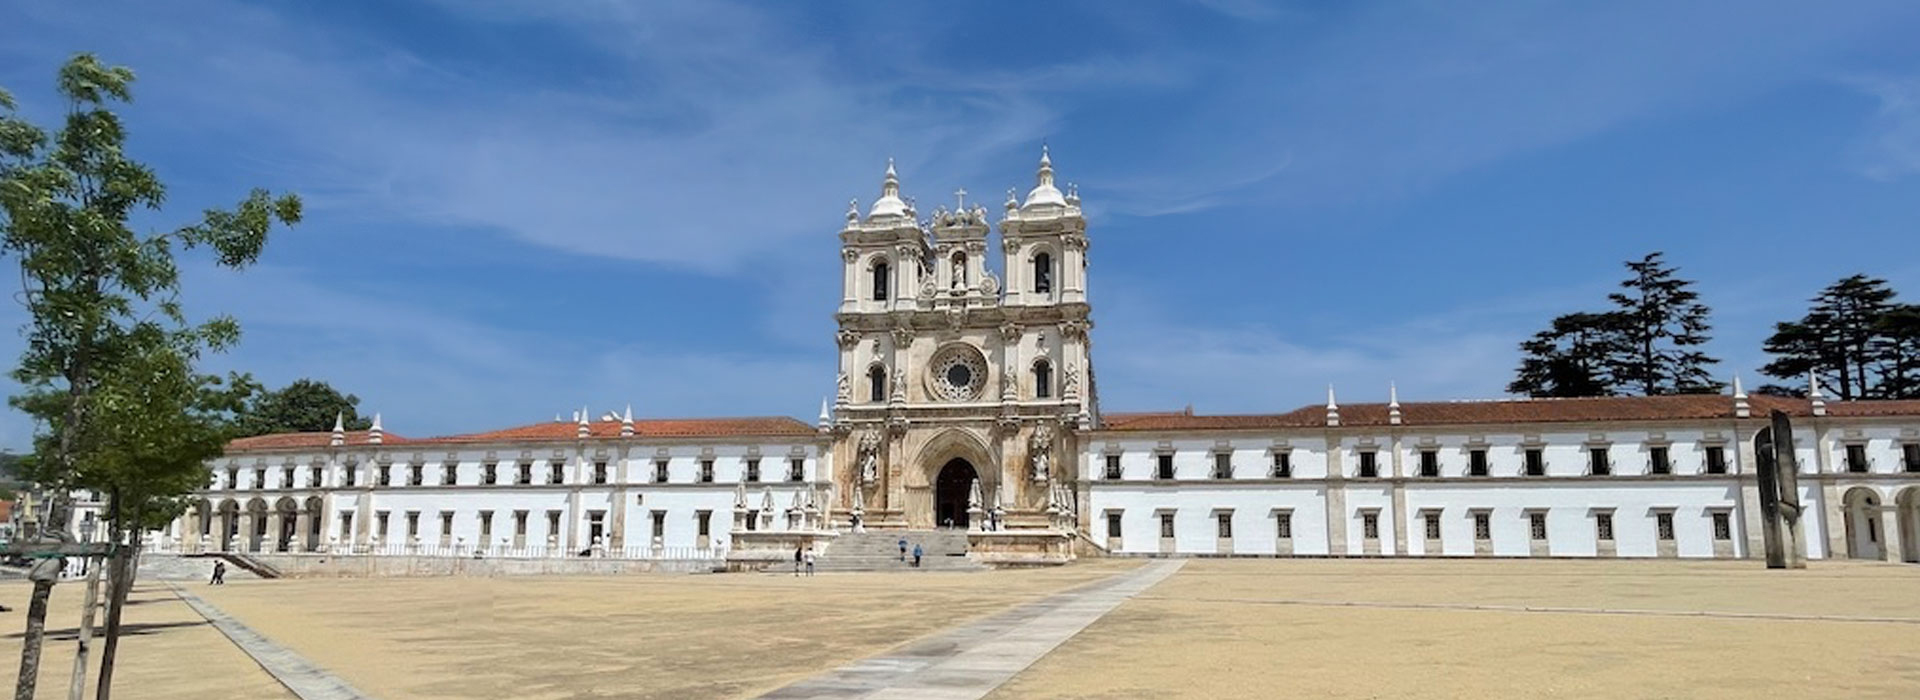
(1780,494)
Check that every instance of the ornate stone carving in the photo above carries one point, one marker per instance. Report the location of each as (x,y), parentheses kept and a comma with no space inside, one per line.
(1070,382)
(846,338)
(1074,329)
(958,373)
(1074,241)
(1009,332)
(1040,451)
(989,284)
(927,288)
(899,386)
(869,460)
(849,255)
(853,212)
(842,389)
(902,337)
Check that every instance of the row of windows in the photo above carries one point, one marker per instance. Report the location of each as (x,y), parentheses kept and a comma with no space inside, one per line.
(1858,462)
(1367,465)
(877,381)
(1042,275)
(1722,523)
(523,474)
(596,524)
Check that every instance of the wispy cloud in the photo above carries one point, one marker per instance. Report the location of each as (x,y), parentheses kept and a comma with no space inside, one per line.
(1891,147)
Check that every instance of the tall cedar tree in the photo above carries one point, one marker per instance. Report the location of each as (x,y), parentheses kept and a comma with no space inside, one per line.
(1569,359)
(1855,340)
(1662,328)
(101,297)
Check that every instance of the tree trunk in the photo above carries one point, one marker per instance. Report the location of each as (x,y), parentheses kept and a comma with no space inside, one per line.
(30,646)
(125,566)
(78,688)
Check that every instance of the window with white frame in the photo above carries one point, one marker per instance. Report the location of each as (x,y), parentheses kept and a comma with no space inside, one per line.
(1164,465)
(386,475)
(1113,466)
(1370,524)
(753,470)
(449,473)
(1857,458)
(1432,519)
(1369,464)
(1716,459)
(1224,519)
(1537,526)
(1113,523)
(523,473)
(490,473)
(1597,461)
(1536,464)
(416,474)
(1429,462)
(1222,465)
(706,471)
(659,471)
(1722,525)
(1283,464)
(1657,460)
(556,471)
(1663,525)
(1283,524)
(1910,456)
(1603,526)
(1482,525)
(796,469)
(1166,526)
(600,472)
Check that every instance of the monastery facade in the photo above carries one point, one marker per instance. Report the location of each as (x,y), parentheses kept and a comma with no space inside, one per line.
(969,401)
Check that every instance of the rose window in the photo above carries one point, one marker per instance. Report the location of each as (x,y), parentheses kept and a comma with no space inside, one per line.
(959,373)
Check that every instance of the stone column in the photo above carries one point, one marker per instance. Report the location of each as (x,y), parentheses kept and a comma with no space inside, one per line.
(276,523)
(1336,496)
(1400,535)
(617,510)
(302,522)
(1831,509)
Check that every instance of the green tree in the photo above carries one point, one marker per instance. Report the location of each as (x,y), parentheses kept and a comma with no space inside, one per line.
(1568,359)
(1897,346)
(102,298)
(1838,340)
(305,406)
(1662,328)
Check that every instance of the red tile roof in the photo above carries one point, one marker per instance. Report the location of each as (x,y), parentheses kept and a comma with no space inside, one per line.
(1582,410)
(299,441)
(550,431)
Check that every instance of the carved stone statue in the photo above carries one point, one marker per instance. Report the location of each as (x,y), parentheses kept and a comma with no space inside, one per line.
(842,389)
(1040,451)
(1070,384)
(869,456)
(899,385)
(989,284)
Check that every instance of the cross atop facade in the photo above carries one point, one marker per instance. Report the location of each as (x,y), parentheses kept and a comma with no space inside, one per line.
(962,195)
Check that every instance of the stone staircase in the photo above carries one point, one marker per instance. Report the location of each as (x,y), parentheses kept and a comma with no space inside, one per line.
(174,567)
(879,550)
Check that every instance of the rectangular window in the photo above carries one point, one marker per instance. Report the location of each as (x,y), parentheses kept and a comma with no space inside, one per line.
(556,472)
(659,523)
(286,478)
(1537,526)
(796,469)
(486,528)
(1657,462)
(1370,525)
(1283,524)
(1663,526)
(1164,464)
(553,524)
(659,471)
(706,471)
(352,474)
(1113,524)
(1433,524)
(1222,465)
(233,478)
(346,526)
(446,523)
(1225,521)
(1722,526)
(490,474)
(416,474)
(449,474)
(1857,458)
(380,519)
(1283,465)
(1166,525)
(523,473)
(705,521)
(599,472)
(1113,467)
(413,524)
(753,470)
(1369,465)
(1482,525)
(316,477)
(1429,463)
(1477,462)
(386,475)
(1716,459)
(1597,461)
(1910,457)
(519,523)
(1536,461)
(259,478)
(1603,526)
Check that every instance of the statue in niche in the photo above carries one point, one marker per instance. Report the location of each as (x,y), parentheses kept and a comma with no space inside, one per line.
(1071,383)
(841,388)
(1040,451)
(899,385)
(869,456)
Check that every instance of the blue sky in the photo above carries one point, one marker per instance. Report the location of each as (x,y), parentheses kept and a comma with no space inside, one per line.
(516,208)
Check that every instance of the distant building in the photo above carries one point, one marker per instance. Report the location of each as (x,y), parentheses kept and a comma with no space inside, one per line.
(964,400)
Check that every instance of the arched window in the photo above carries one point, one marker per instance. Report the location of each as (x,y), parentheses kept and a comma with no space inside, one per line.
(1042,273)
(959,270)
(880,281)
(877,384)
(1042,379)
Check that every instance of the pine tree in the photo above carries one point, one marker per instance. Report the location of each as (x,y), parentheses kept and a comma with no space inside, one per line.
(1897,347)
(1854,338)
(1662,327)
(1569,359)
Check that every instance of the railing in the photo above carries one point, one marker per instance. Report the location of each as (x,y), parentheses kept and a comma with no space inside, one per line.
(162,545)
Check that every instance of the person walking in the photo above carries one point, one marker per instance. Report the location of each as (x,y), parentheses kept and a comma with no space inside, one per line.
(903,549)
(796,561)
(809,563)
(916,556)
(219,574)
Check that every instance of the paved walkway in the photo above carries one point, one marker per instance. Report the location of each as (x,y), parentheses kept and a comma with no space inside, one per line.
(972,660)
(306,680)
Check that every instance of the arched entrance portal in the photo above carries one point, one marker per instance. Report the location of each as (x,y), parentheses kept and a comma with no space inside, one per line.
(1907,511)
(1864,534)
(951,491)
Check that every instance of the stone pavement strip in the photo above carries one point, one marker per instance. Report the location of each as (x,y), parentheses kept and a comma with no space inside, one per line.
(303,677)
(972,660)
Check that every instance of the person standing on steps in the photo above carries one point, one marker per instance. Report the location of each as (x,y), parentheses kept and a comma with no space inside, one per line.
(809,562)
(916,556)
(796,561)
(903,549)
(219,574)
